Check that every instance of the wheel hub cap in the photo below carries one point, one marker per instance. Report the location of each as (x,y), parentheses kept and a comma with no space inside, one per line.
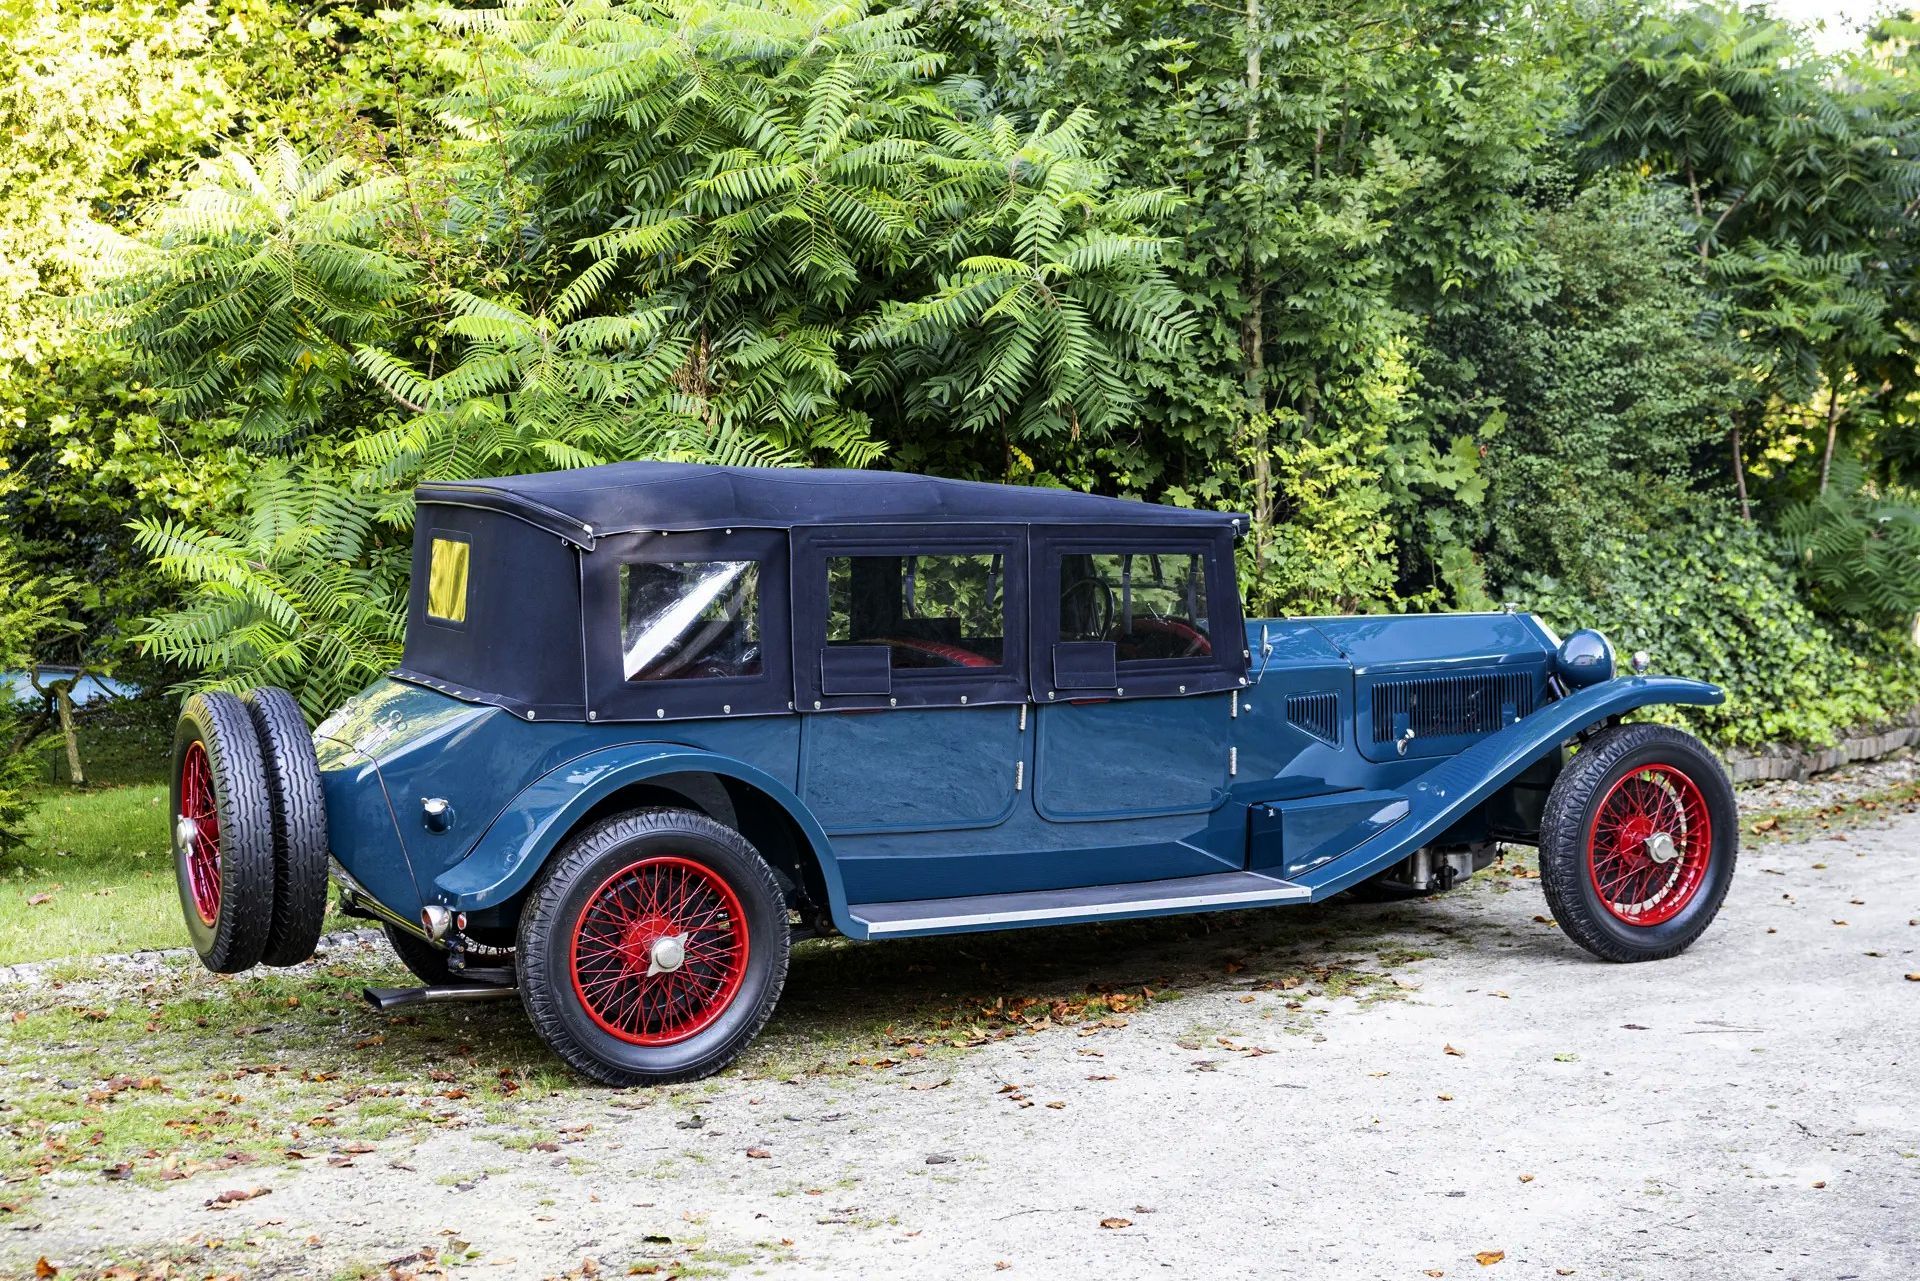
(667,954)
(184,830)
(1661,849)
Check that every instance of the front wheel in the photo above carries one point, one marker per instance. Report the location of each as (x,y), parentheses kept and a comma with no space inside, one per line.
(653,948)
(1638,842)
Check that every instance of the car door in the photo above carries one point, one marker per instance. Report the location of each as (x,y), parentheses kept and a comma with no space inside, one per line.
(1139,656)
(910,670)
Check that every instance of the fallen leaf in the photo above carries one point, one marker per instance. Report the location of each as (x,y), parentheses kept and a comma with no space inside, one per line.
(1487,1258)
(1456,1053)
(758,1154)
(1526,1178)
(1435,1272)
(1116,1223)
(1056,1105)
(35,901)
(1820,1183)
(1913,978)
(1444,1098)
(45,1269)
(1766,824)
(237,1194)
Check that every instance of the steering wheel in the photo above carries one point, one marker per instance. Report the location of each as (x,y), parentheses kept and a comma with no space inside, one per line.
(1099,601)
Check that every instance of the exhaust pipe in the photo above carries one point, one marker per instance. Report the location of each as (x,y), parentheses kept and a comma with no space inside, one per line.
(393,998)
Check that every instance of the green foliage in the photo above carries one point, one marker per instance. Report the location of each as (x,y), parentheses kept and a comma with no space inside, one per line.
(32,610)
(256,286)
(305,594)
(1712,598)
(1595,403)
(1333,552)
(1456,305)
(1857,550)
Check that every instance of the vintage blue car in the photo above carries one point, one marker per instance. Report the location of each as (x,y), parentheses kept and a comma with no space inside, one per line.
(656,720)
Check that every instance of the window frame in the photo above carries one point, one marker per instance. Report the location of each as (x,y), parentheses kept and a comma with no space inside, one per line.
(612,696)
(1005,683)
(1225,668)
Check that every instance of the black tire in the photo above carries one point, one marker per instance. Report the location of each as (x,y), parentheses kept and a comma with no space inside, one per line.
(429,964)
(587,873)
(422,959)
(1680,784)
(229,924)
(299,826)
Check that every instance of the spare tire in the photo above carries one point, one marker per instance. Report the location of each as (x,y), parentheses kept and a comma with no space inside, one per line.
(299,826)
(222,832)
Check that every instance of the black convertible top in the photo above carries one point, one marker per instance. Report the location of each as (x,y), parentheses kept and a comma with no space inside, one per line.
(590,502)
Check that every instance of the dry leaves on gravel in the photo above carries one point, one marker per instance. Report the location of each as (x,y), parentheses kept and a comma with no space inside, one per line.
(1487,1258)
(1116,1222)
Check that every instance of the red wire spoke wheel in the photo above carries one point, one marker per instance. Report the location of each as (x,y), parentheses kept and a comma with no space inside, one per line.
(1638,842)
(1650,845)
(653,947)
(200,832)
(660,950)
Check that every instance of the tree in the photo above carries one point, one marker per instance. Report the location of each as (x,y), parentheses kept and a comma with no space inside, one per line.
(1794,183)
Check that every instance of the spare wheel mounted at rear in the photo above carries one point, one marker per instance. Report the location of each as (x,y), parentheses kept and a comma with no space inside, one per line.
(222,832)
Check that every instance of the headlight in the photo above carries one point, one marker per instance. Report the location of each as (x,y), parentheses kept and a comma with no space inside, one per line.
(1584,658)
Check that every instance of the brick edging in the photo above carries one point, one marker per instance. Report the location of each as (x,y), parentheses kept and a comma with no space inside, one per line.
(1797,761)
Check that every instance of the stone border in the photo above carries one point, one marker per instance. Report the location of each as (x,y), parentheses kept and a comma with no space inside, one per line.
(1795,762)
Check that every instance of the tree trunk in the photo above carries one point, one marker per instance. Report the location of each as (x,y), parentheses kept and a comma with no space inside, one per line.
(1833,424)
(63,699)
(1253,329)
(1739,472)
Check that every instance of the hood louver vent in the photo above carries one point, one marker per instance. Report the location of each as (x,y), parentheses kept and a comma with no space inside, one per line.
(1317,713)
(1448,706)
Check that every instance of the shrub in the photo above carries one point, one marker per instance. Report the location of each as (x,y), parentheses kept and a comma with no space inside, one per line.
(1712,597)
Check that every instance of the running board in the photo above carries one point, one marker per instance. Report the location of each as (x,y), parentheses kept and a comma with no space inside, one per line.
(1218,892)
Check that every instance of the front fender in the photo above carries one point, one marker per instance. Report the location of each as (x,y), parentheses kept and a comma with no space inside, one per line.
(1444,794)
(504,861)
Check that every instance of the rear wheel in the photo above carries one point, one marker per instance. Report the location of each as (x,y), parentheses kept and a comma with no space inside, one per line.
(222,832)
(653,948)
(1638,843)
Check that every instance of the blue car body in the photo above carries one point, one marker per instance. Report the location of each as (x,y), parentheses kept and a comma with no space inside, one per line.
(1058,776)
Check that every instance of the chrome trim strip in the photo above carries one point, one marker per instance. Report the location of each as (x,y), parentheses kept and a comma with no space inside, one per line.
(1278,894)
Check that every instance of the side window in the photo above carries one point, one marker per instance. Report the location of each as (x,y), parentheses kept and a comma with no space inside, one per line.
(929,611)
(1150,604)
(690,619)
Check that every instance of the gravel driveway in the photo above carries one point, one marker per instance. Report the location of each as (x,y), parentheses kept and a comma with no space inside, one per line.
(1446,1088)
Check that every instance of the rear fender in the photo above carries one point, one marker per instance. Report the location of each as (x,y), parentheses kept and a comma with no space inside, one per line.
(1445,794)
(517,844)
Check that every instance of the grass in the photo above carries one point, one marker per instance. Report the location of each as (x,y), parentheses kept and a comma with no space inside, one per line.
(95,877)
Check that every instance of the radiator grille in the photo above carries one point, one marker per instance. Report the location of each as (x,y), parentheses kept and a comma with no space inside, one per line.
(1442,706)
(1317,713)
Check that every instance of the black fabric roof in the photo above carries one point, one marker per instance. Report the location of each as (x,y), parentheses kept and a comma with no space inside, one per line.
(583,504)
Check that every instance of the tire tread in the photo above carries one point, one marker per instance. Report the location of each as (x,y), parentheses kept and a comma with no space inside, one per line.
(299,826)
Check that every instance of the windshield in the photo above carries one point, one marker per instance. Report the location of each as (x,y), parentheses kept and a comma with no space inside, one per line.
(683,620)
